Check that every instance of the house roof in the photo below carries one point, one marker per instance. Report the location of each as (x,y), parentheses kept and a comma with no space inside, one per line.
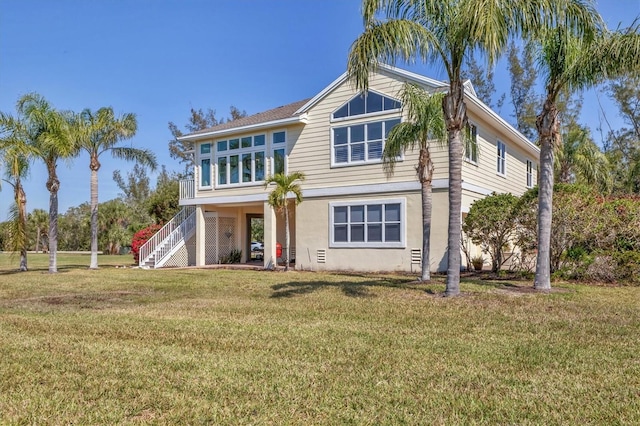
(281,114)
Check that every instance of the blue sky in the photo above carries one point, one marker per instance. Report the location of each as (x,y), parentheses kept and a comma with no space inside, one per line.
(159,58)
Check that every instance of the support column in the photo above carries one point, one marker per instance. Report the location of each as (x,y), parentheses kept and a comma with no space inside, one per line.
(270,237)
(200,236)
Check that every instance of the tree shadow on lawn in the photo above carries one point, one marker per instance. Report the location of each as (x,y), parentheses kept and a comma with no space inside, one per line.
(350,288)
(61,269)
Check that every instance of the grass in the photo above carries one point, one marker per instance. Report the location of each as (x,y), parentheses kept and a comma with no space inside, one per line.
(131,346)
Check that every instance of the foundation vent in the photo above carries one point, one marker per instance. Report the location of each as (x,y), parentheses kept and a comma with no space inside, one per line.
(321,256)
(416,256)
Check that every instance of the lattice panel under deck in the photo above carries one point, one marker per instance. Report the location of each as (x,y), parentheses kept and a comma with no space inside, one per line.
(185,256)
(178,259)
(210,240)
(226,236)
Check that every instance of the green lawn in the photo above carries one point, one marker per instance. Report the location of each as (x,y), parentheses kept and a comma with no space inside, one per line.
(131,346)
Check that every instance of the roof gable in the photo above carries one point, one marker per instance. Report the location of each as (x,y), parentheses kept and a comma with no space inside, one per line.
(260,119)
(396,72)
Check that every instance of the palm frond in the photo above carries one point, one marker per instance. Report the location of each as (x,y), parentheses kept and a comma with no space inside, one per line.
(17,229)
(283,186)
(144,157)
(386,43)
(425,125)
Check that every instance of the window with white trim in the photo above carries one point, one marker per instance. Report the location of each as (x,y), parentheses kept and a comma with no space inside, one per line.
(240,160)
(501,160)
(205,165)
(368,103)
(360,143)
(471,143)
(278,146)
(529,174)
(374,224)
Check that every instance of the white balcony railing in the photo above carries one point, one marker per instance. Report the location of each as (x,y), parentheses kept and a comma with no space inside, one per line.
(187,189)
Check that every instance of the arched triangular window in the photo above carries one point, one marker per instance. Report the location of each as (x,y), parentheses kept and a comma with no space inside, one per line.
(366,104)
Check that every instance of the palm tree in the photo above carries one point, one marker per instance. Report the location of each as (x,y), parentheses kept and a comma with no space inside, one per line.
(445,32)
(278,199)
(49,131)
(572,62)
(99,132)
(425,124)
(38,219)
(580,160)
(16,153)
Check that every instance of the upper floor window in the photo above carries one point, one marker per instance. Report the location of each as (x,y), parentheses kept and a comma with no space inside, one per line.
(366,104)
(279,152)
(360,143)
(205,165)
(241,160)
(471,143)
(240,143)
(501,163)
(529,174)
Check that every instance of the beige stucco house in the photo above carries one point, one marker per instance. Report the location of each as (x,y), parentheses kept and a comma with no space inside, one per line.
(354,216)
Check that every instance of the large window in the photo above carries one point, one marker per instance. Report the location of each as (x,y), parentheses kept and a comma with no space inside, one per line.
(529,174)
(501,163)
(471,143)
(367,224)
(241,160)
(205,165)
(360,143)
(279,149)
(366,104)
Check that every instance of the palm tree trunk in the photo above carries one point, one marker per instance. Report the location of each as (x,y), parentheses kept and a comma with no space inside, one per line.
(426,230)
(53,184)
(21,201)
(286,235)
(425,173)
(95,165)
(547,124)
(53,232)
(37,238)
(455,116)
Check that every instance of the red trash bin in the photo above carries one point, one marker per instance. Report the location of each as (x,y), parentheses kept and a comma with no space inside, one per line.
(278,249)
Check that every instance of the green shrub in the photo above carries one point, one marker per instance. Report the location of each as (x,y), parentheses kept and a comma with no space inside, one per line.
(627,266)
(234,257)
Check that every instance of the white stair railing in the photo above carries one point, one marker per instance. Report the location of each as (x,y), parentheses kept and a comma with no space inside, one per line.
(149,248)
(179,236)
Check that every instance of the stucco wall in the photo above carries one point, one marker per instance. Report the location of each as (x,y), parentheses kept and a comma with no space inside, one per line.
(313,234)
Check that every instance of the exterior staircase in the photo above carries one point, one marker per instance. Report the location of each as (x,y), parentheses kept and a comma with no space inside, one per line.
(171,237)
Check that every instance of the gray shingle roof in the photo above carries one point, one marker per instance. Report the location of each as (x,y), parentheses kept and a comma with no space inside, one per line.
(279,113)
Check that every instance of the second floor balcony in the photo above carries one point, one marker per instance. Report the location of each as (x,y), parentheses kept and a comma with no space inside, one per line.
(187,189)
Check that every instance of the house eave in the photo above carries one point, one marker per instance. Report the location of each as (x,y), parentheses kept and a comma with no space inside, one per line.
(299,119)
(526,143)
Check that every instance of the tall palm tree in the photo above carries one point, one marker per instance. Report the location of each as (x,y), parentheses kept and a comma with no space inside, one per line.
(445,32)
(99,132)
(279,199)
(572,62)
(16,154)
(425,125)
(579,159)
(49,132)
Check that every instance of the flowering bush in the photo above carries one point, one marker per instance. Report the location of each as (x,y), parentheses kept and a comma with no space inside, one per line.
(141,237)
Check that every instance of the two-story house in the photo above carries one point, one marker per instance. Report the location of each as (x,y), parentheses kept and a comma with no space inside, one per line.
(354,216)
